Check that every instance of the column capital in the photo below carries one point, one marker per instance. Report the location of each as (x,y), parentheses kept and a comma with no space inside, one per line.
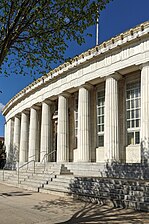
(18,115)
(117,76)
(65,94)
(10,119)
(87,86)
(146,64)
(36,107)
(47,101)
(26,111)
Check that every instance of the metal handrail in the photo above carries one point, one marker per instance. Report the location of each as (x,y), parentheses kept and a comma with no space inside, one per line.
(45,155)
(35,155)
(26,164)
(31,156)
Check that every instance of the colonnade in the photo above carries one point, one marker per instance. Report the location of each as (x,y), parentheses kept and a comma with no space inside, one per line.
(33,139)
(31,132)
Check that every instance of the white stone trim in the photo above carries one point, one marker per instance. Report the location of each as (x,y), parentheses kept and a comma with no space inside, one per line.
(129,46)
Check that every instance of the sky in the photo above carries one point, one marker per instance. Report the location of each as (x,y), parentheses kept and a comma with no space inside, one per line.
(119,16)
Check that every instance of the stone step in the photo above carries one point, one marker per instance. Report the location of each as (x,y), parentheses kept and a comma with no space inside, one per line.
(39,178)
(32,184)
(57,183)
(12,182)
(61,181)
(86,170)
(85,166)
(53,192)
(16,178)
(8,177)
(44,176)
(7,174)
(8,171)
(65,177)
(29,187)
(88,173)
(37,172)
(41,181)
(25,174)
(56,188)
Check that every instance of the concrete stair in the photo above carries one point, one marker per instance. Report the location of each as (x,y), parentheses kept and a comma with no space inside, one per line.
(7,174)
(53,177)
(34,181)
(88,182)
(87,169)
(58,185)
(11,177)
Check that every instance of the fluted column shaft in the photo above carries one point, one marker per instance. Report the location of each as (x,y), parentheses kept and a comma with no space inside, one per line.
(24,138)
(111,120)
(145,111)
(9,146)
(63,130)
(33,133)
(145,102)
(5,142)
(83,126)
(46,121)
(16,137)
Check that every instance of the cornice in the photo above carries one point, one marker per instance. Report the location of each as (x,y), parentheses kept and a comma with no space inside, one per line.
(117,41)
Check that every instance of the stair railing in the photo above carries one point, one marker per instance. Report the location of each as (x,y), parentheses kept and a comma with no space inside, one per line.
(45,156)
(26,164)
(32,157)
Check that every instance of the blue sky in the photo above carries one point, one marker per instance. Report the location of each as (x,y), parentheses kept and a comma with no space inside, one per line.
(119,16)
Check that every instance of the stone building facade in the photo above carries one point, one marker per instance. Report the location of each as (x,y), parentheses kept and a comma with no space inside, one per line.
(94,108)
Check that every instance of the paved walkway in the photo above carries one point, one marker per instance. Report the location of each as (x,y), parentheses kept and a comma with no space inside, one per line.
(18,206)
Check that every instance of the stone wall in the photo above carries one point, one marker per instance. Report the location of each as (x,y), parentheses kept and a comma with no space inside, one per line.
(124,186)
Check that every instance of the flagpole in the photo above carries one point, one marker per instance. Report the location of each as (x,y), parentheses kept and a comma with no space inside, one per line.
(97,28)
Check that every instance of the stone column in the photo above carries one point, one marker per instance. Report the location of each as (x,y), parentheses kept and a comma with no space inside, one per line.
(63,129)
(45,145)
(145,112)
(16,137)
(33,134)
(5,142)
(111,135)
(23,155)
(9,147)
(83,151)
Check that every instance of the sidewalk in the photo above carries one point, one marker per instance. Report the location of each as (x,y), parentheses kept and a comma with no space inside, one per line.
(18,206)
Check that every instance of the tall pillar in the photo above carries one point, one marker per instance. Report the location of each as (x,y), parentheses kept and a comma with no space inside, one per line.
(33,135)
(24,137)
(145,112)
(9,147)
(45,145)
(63,129)
(111,134)
(83,151)
(5,142)
(16,137)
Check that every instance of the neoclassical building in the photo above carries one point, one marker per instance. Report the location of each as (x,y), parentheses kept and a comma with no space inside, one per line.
(94,108)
